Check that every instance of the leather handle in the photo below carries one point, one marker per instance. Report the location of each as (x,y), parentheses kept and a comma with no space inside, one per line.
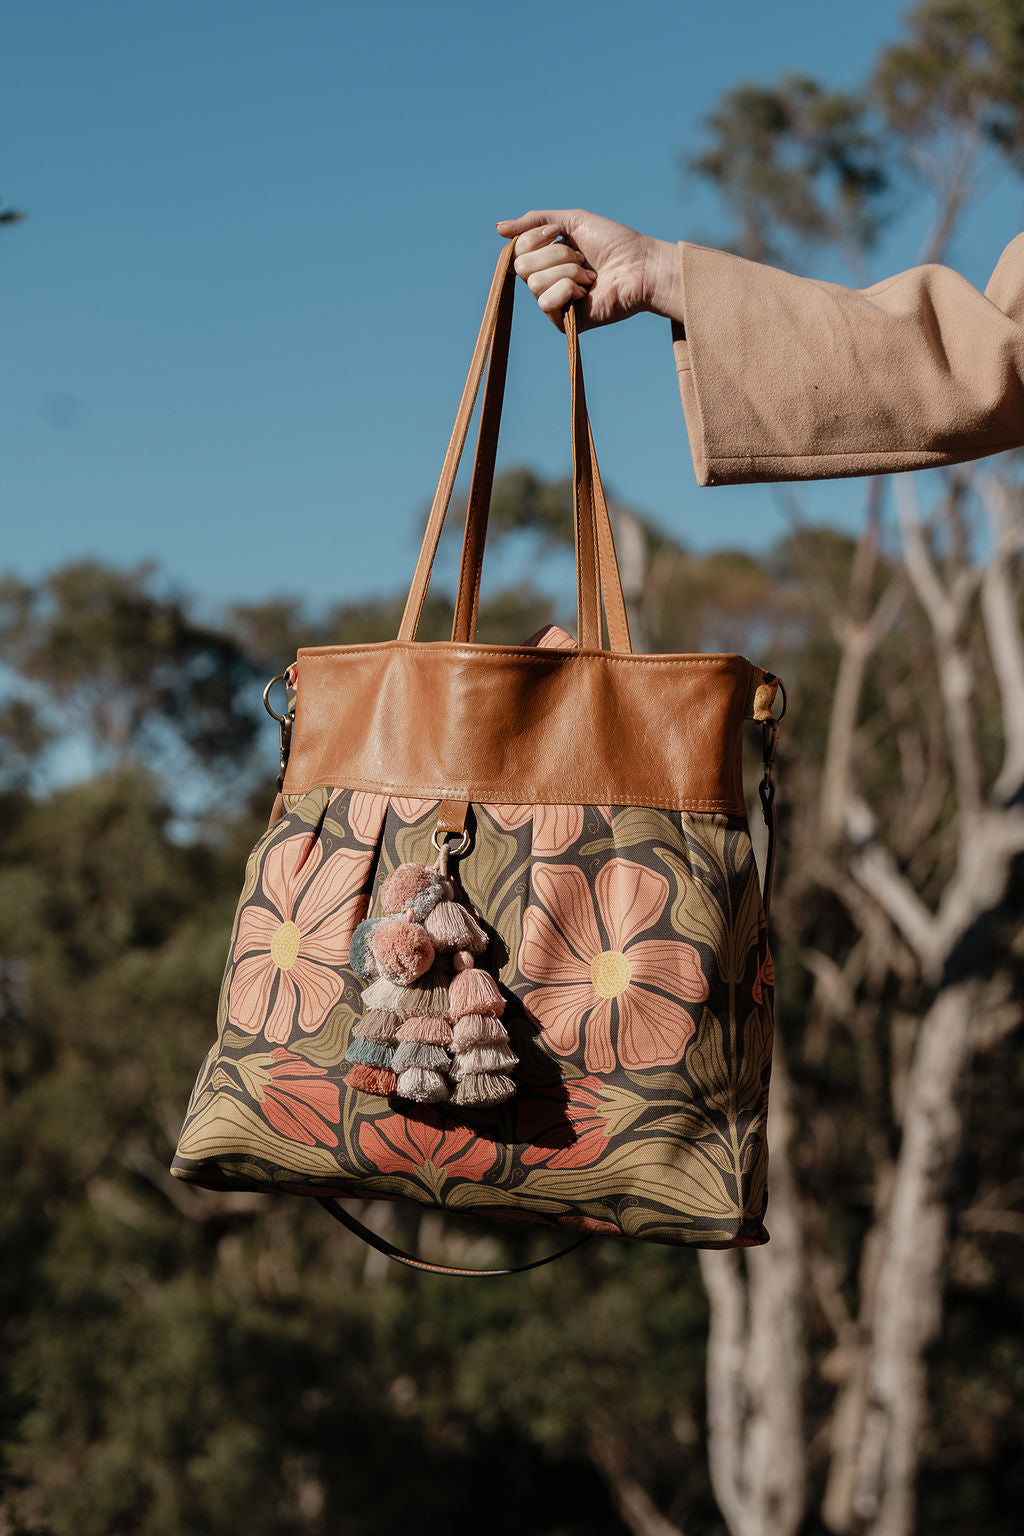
(478,505)
(456,443)
(382,1245)
(595,550)
(588,572)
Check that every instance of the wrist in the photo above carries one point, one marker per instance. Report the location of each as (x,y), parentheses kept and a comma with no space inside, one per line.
(663,280)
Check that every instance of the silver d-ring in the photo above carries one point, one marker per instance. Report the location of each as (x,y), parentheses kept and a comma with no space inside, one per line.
(281,719)
(463,841)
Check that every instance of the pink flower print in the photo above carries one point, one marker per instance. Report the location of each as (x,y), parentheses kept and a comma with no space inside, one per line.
(555,827)
(629,987)
(288,952)
(366,812)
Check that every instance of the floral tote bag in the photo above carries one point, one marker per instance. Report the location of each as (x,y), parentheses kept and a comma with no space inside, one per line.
(503,948)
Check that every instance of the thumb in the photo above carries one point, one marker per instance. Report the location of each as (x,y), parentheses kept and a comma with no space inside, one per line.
(557,218)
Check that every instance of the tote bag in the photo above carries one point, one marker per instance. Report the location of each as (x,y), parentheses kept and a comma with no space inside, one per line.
(580,810)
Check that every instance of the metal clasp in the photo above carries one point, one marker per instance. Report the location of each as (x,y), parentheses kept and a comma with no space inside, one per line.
(285,722)
(769,747)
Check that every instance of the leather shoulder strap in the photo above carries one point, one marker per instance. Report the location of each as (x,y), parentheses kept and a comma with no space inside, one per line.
(382,1245)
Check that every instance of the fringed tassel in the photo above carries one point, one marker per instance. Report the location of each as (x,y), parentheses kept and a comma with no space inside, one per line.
(453,926)
(428,996)
(378,1025)
(414,1053)
(482,1057)
(371,1051)
(474,991)
(418,1011)
(380,1081)
(422,1085)
(430,1031)
(483,1088)
(478,1029)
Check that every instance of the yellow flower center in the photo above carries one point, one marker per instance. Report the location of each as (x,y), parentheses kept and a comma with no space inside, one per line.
(610,972)
(284,946)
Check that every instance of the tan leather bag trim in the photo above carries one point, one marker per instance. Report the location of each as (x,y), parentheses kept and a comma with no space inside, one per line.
(519,725)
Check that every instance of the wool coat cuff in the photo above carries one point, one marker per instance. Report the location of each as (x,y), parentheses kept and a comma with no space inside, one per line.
(788,378)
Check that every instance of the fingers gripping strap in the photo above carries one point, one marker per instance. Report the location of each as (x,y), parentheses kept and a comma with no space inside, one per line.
(382,1245)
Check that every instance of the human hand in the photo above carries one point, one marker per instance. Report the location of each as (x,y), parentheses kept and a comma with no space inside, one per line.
(613,270)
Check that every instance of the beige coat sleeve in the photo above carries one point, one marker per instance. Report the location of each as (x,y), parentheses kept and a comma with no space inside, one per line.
(787,378)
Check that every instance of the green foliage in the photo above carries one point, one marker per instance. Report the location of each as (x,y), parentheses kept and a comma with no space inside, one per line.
(799,166)
(796,161)
(961,70)
(130,669)
(181,1361)
(522,501)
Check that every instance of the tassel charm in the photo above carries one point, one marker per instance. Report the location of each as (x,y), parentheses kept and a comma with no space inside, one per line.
(432,1030)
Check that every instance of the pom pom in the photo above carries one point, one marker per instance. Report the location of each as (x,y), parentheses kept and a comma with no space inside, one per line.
(483,1088)
(430,1031)
(478,1029)
(423,1086)
(481,1058)
(414,1053)
(380,1081)
(453,926)
(474,992)
(462,960)
(360,953)
(377,1025)
(403,951)
(370,1053)
(412,886)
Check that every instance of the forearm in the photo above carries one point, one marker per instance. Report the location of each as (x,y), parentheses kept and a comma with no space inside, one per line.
(663,280)
(787,378)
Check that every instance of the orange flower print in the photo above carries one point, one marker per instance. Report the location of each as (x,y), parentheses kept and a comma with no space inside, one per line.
(598,976)
(555,827)
(402,1144)
(564,1126)
(294,1096)
(765,977)
(288,952)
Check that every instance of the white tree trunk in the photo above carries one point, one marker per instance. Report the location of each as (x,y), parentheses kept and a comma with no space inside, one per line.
(756,1358)
(908,1306)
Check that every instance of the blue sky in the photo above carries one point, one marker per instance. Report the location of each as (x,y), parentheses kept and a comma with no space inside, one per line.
(238,317)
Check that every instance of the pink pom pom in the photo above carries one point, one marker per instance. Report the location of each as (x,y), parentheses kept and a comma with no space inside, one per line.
(415,886)
(403,951)
(462,960)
